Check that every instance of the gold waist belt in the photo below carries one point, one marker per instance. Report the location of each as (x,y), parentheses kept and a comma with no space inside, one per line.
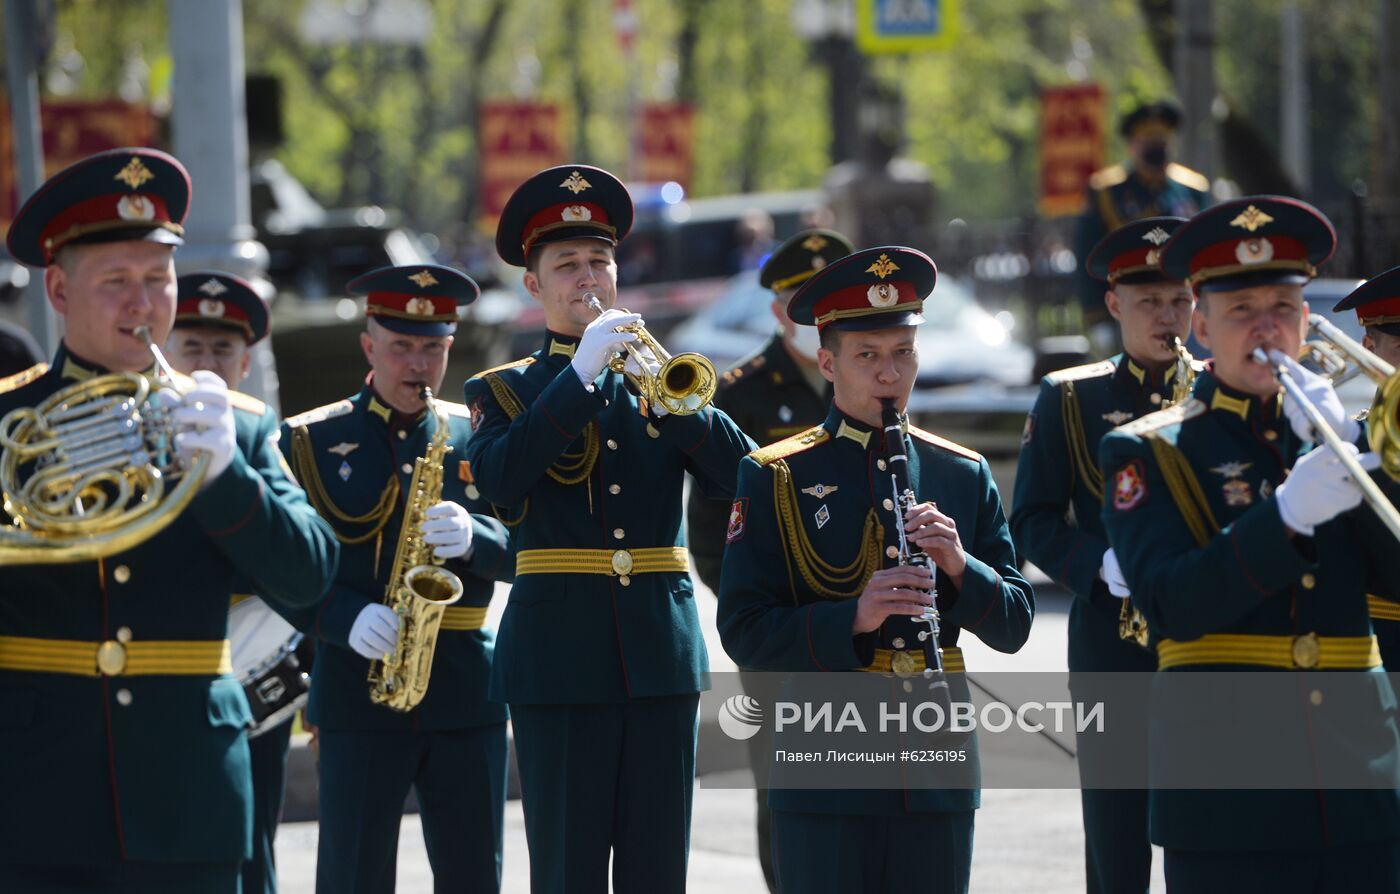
(911,663)
(620,563)
(463,617)
(1383,609)
(1289,652)
(112,658)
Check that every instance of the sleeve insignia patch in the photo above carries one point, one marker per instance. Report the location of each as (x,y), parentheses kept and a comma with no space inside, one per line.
(1129,486)
(738,514)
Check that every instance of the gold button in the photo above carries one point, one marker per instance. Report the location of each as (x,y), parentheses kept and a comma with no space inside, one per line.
(622,563)
(1271,435)
(124,697)
(888,504)
(403,434)
(614,488)
(625,580)
(1315,697)
(123,635)
(892,552)
(618,533)
(407,468)
(121,574)
(1306,651)
(1309,581)
(612,445)
(111,658)
(1155,398)
(880,464)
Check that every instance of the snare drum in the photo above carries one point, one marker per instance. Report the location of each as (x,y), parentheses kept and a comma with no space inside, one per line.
(265,661)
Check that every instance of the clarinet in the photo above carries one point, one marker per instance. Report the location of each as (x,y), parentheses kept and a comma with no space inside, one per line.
(904,500)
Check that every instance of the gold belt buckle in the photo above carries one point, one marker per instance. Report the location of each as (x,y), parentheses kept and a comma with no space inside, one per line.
(903,664)
(1306,651)
(622,566)
(111,658)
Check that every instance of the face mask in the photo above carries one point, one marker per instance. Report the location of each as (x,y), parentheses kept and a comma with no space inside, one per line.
(806,340)
(1155,156)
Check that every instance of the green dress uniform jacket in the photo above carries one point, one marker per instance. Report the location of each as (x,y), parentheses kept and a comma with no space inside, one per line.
(782,609)
(1059,495)
(356,458)
(1118,195)
(769,398)
(572,469)
(1190,512)
(1385,611)
(145,766)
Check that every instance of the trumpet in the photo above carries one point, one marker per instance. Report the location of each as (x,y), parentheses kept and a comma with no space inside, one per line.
(91,470)
(683,385)
(1342,357)
(1380,436)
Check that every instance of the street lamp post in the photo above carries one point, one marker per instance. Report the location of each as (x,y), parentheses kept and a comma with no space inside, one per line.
(829,26)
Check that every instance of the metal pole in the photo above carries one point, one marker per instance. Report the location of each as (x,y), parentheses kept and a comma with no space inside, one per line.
(1194,64)
(1293,89)
(211,139)
(22,72)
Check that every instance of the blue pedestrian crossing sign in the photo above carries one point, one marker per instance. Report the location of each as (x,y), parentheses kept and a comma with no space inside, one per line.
(904,26)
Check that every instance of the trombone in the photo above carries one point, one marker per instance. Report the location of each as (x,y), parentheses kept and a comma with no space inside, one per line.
(685,383)
(1333,347)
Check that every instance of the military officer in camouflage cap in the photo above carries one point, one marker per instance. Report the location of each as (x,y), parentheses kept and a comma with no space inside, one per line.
(601,656)
(810,581)
(1059,489)
(1244,547)
(1377,306)
(356,458)
(1148,184)
(125,753)
(218,319)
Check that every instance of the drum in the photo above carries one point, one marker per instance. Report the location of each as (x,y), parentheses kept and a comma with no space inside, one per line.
(266,662)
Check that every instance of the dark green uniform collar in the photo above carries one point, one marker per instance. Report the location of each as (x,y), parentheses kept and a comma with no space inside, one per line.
(556,345)
(376,407)
(1135,376)
(72,368)
(1221,398)
(849,430)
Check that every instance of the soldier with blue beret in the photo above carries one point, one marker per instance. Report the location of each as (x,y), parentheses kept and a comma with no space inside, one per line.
(1147,184)
(1059,489)
(218,319)
(600,656)
(811,581)
(1377,306)
(124,730)
(356,458)
(1246,549)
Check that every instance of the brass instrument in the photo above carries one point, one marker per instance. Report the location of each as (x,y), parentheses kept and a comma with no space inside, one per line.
(1132,626)
(685,383)
(91,470)
(904,500)
(1336,348)
(419,589)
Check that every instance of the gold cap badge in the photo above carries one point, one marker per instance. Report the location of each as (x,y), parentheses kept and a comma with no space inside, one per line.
(575,183)
(423,279)
(1251,219)
(135,173)
(882,267)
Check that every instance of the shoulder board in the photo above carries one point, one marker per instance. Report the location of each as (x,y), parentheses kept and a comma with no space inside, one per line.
(247,403)
(799,442)
(1187,177)
(1153,422)
(1106,177)
(523,361)
(454,409)
(320,414)
(929,437)
(746,368)
(23,377)
(1075,373)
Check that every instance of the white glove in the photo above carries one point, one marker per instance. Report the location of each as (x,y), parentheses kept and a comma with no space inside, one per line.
(375,632)
(600,342)
(1320,488)
(1320,393)
(1113,575)
(448,527)
(204,421)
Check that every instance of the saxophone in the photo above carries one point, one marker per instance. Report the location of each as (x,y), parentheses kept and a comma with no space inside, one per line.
(419,589)
(1132,626)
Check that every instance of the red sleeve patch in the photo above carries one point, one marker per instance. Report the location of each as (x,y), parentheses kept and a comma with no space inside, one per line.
(464,471)
(737,515)
(478,411)
(1129,486)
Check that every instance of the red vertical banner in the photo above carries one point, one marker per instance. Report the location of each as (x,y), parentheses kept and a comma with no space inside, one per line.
(1071,145)
(667,140)
(72,130)
(517,139)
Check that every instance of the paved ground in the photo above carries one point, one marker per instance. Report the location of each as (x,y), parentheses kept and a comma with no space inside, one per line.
(1027,840)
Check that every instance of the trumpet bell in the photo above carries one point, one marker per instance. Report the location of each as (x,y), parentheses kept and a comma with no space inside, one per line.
(685,384)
